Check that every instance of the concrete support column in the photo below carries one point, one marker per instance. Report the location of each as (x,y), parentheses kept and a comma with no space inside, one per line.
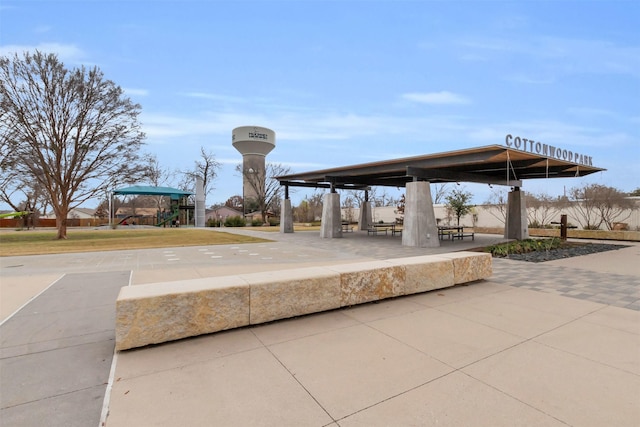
(516,226)
(365,216)
(286,217)
(200,203)
(331,220)
(419,227)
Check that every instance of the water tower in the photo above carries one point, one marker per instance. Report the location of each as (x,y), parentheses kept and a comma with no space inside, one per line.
(254,143)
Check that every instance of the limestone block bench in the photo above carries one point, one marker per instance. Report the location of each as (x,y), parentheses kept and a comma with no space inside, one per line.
(161,312)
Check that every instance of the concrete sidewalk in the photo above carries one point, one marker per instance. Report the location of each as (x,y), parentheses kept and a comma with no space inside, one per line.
(493,353)
(537,344)
(56,352)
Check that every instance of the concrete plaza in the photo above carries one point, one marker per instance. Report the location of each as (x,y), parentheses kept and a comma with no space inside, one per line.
(556,343)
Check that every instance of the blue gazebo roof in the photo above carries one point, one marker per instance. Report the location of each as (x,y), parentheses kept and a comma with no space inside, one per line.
(147,190)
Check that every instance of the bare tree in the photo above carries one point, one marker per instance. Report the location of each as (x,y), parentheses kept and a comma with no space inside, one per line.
(23,194)
(376,197)
(541,209)
(154,173)
(73,131)
(234,202)
(356,197)
(158,176)
(206,167)
(348,205)
(496,205)
(596,204)
(266,189)
(400,209)
(385,199)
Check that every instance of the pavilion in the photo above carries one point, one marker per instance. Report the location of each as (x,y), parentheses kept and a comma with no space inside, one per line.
(493,165)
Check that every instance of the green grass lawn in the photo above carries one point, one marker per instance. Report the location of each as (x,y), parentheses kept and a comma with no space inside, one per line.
(30,242)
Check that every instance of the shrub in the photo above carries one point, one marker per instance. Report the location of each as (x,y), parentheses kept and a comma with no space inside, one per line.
(274,222)
(235,221)
(523,246)
(212,222)
(256,223)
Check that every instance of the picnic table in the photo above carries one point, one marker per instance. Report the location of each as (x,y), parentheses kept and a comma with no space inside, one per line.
(453,232)
(379,227)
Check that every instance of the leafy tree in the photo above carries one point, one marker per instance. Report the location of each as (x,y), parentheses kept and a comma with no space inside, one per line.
(301,212)
(310,208)
(458,203)
(72,131)
(635,193)
(595,204)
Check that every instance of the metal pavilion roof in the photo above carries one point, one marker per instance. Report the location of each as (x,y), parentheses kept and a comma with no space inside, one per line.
(493,164)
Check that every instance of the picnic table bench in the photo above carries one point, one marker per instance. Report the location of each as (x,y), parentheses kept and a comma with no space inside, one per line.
(462,234)
(347,227)
(379,227)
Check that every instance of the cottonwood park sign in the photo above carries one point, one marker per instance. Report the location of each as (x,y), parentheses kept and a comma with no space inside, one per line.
(538,147)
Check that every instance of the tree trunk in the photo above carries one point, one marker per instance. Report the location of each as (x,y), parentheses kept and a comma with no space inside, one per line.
(61,222)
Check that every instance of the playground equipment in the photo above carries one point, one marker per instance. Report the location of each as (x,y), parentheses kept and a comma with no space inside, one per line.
(14,214)
(178,201)
(167,217)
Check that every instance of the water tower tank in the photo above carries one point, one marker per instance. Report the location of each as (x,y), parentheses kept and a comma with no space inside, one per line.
(254,143)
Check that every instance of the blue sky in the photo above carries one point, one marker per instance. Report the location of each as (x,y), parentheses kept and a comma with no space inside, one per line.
(346,82)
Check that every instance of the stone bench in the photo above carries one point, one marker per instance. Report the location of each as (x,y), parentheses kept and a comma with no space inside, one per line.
(160,312)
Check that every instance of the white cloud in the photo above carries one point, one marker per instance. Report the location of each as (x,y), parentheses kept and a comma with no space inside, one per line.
(591,112)
(214,97)
(66,52)
(138,92)
(440,98)
(558,55)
